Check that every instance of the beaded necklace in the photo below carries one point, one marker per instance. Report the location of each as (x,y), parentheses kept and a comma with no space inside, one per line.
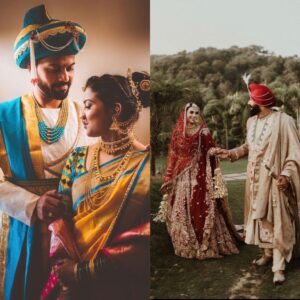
(51,135)
(117,146)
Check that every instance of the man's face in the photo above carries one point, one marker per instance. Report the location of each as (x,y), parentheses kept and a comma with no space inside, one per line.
(55,76)
(193,114)
(254,108)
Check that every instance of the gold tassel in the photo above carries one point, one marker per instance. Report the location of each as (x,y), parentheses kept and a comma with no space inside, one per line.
(220,189)
(161,216)
(33,73)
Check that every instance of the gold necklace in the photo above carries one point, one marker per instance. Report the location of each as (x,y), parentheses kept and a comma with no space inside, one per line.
(96,164)
(118,145)
(93,200)
(190,130)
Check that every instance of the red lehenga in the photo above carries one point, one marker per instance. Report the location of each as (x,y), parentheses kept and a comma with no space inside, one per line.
(199,225)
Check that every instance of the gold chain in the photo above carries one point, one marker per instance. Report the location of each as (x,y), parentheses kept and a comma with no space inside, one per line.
(190,130)
(96,165)
(93,200)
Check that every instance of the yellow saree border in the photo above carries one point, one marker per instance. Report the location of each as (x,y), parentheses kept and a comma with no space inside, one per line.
(3,246)
(124,200)
(4,157)
(34,142)
(113,205)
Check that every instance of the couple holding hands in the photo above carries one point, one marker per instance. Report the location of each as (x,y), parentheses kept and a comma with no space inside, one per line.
(195,206)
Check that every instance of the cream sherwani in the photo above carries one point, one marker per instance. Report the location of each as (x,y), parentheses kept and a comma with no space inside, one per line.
(273,148)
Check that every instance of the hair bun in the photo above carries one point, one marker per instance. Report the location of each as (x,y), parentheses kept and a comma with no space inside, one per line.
(142,81)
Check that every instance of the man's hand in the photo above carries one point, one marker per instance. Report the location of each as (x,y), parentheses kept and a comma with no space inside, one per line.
(282,183)
(50,206)
(222,153)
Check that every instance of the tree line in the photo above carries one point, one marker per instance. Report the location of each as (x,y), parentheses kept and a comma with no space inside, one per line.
(211,78)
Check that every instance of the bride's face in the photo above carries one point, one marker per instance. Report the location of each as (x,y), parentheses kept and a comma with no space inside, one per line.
(96,118)
(193,115)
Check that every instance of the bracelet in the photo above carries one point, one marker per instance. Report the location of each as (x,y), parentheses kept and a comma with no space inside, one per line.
(98,265)
(76,272)
(236,154)
(83,271)
(231,153)
(92,268)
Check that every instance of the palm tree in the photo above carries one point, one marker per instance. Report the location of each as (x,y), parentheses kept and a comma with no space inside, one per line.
(166,98)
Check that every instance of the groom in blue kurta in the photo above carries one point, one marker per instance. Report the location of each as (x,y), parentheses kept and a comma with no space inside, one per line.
(24,202)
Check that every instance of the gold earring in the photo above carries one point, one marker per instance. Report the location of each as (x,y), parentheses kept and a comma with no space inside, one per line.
(114,125)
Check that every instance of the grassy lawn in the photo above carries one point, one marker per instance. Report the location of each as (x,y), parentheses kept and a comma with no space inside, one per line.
(235,167)
(227,166)
(231,277)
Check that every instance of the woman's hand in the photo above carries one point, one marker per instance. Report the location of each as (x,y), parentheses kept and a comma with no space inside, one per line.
(214,151)
(222,153)
(64,270)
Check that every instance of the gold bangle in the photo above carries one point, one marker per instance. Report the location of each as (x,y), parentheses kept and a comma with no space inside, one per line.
(76,272)
(229,155)
(236,154)
(92,268)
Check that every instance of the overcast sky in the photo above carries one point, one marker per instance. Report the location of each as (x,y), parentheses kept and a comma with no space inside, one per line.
(178,25)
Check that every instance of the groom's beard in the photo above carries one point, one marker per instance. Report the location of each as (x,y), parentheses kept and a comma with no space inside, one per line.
(254,110)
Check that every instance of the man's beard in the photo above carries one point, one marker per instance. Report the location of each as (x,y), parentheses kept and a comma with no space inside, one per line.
(51,93)
(254,110)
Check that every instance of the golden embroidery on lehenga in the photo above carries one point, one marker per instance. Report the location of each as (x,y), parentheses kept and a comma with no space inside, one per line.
(217,240)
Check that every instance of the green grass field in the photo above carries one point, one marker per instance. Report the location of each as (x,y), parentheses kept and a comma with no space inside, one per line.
(231,277)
